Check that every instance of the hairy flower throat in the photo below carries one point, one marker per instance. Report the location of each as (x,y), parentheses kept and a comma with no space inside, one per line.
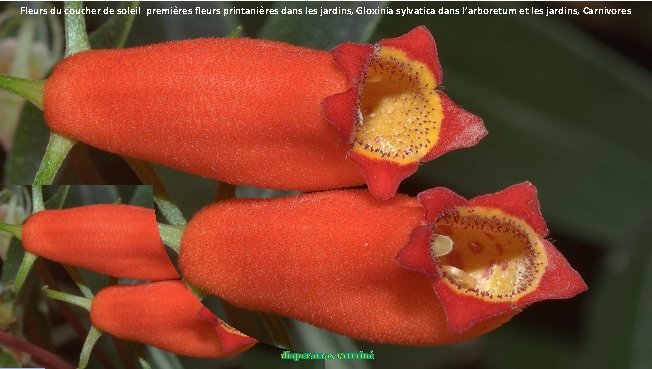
(494,256)
(400,111)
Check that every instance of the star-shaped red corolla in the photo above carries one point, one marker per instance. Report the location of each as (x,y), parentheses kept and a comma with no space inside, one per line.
(394,115)
(487,256)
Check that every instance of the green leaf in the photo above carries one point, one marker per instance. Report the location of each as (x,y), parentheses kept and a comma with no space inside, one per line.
(143,196)
(320,32)
(512,347)
(11,264)
(171,235)
(440,357)
(29,146)
(269,357)
(309,338)
(261,193)
(619,326)
(159,28)
(163,359)
(114,32)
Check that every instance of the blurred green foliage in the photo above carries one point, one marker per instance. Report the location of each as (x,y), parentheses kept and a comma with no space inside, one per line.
(567,101)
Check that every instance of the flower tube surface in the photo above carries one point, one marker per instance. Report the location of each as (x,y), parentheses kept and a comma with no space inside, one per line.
(329,259)
(166,315)
(117,240)
(265,113)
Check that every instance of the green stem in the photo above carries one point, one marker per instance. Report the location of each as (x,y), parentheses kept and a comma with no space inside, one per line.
(59,198)
(94,334)
(28,89)
(126,26)
(79,281)
(55,154)
(12,229)
(71,299)
(171,236)
(23,270)
(140,354)
(37,198)
(76,37)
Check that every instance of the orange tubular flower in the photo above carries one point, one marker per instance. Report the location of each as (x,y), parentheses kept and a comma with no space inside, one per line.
(257,112)
(117,240)
(168,316)
(329,259)
(487,256)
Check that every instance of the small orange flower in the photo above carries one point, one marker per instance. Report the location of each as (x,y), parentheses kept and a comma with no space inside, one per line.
(168,316)
(487,256)
(117,240)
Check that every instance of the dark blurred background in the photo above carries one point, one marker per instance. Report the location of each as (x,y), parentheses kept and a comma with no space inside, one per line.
(567,100)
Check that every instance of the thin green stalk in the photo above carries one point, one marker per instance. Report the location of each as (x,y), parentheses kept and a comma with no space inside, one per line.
(113,33)
(59,198)
(171,236)
(29,258)
(66,297)
(23,271)
(28,89)
(76,37)
(37,198)
(56,37)
(55,153)
(59,146)
(72,318)
(128,23)
(12,229)
(142,357)
(79,281)
(20,65)
(94,334)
